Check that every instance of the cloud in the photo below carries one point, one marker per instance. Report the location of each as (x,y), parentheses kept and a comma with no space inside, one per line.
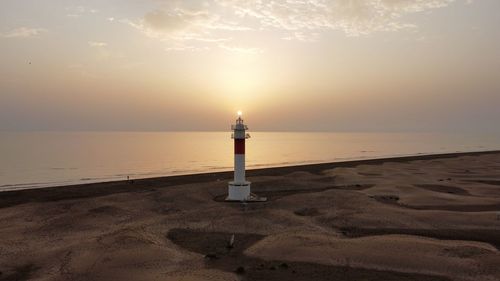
(353,17)
(78,11)
(241,50)
(204,21)
(183,29)
(178,20)
(301,36)
(182,47)
(182,24)
(23,32)
(97,44)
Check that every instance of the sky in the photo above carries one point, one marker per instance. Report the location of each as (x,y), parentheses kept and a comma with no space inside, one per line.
(294,65)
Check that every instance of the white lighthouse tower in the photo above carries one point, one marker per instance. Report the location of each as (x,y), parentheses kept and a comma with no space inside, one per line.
(239,189)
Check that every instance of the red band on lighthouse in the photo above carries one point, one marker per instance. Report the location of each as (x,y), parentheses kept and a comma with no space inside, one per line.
(239,146)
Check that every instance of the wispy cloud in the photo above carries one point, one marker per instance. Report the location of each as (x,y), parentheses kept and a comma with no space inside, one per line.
(242,50)
(97,44)
(23,32)
(182,47)
(301,36)
(78,11)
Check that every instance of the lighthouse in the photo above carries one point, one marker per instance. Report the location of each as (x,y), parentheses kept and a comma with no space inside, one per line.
(239,188)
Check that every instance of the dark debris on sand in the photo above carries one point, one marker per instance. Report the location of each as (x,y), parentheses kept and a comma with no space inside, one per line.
(20,273)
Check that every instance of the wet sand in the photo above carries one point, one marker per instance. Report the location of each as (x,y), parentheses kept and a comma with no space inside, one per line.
(409,218)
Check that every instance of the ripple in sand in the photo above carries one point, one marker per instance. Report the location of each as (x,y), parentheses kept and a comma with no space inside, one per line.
(444,189)
(490,236)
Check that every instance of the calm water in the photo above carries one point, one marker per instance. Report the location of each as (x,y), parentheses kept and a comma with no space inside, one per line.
(30,160)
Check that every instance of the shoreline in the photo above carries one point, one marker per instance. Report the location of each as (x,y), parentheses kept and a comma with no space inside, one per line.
(96,189)
(84,179)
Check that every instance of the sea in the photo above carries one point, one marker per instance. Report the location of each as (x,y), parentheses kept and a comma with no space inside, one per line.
(46,159)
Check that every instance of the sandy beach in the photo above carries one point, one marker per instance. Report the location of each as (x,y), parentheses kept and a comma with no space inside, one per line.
(433,217)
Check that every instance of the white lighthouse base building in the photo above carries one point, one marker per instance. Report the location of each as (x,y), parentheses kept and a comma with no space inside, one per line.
(239,191)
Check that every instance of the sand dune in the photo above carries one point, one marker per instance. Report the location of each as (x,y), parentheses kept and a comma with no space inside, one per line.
(461,260)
